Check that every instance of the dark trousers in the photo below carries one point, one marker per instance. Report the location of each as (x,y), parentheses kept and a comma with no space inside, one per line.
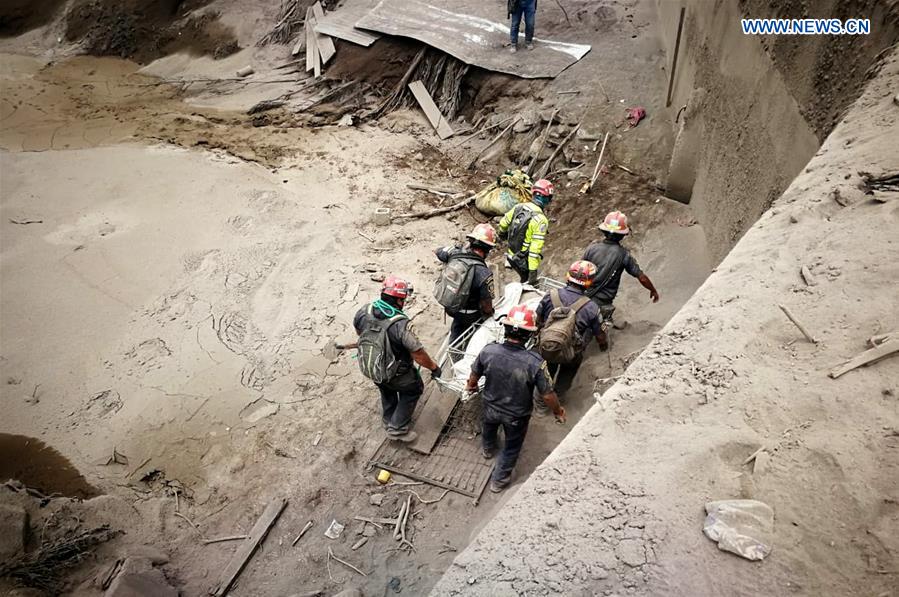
(398,403)
(521,268)
(528,10)
(514,430)
(564,373)
(462,322)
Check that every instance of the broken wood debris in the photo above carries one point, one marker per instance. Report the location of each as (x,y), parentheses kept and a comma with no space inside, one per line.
(588,186)
(245,551)
(426,502)
(796,322)
(399,531)
(25,221)
(290,19)
(359,543)
(443,193)
(301,533)
(484,149)
(342,25)
(344,562)
(438,211)
(325,44)
(868,357)
(223,539)
(543,139)
(548,163)
(432,112)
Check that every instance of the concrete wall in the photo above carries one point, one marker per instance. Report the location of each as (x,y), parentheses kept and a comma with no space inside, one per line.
(742,137)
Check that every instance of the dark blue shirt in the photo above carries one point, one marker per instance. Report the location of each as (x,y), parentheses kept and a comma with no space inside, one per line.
(610,259)
(589,321)
(512,374)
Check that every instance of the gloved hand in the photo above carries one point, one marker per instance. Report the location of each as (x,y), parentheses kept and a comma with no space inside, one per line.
(532,277)
(436,373)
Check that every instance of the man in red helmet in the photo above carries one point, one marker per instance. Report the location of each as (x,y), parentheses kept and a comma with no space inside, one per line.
(611,259)
(512,374)
(465,287)
(568,318)
(525,226)
(388,347)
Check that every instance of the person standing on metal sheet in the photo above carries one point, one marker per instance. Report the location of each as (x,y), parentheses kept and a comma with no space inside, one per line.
(512,374)
(465,286)
(525,226)
(611,259)
(387,347)
(567,319)
(518,9)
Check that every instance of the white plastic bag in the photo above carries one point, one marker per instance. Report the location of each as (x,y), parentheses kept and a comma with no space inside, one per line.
(743,527)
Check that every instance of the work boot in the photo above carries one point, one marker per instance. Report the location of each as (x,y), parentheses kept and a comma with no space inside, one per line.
(408,437)
(488,454)
(513,48)
(497,485)
(529,45)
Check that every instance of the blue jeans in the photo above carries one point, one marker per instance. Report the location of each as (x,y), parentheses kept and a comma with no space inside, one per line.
(528,10)
(514,428)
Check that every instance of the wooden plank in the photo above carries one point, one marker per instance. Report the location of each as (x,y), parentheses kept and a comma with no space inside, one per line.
(433,417)
(248,547)
(325,44)
(341,29)
(437,120)
(310,41)
(301,42)
(866,358)
(680,28)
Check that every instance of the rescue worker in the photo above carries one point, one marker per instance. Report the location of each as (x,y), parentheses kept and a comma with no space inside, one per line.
(512,374)
(588,322)
(402,389)
(478,305)
(611,259)
(525,226)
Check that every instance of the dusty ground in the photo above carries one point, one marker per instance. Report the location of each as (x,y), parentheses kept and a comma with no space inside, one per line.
(618,507)
(186,296)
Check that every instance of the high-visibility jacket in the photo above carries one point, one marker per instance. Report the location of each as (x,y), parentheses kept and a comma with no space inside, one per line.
(531,242)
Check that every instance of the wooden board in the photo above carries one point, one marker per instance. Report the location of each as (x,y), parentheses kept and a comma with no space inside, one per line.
(437,120)
(246,549)
(433,416)
(474,31)
(342,25)
(310,41)
(325,44)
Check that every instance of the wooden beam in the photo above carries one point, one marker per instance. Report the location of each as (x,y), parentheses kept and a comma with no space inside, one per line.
(435,117)
(248,547)
(680,27)
(310,41)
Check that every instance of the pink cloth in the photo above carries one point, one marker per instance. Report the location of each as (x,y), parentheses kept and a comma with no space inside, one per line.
(635,115)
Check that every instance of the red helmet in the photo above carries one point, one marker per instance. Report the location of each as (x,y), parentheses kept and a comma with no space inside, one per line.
(396,287)
(484,233)
(543,187)
(521,317)
(615,222)
(581,273)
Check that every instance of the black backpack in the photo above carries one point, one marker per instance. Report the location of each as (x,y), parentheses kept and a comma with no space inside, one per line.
(453,287)
(518,228)
(375,354)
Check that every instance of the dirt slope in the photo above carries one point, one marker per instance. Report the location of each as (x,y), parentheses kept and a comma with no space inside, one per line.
(618,508)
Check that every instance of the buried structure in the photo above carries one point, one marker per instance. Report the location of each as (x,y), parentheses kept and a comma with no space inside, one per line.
(189,226)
